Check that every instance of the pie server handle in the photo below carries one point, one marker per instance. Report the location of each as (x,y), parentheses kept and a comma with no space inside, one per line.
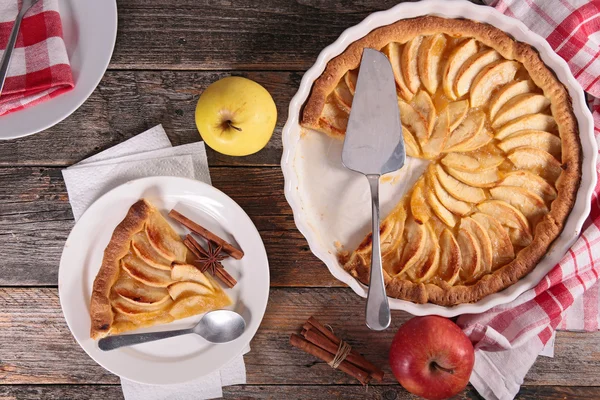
(114,342)
(378,309)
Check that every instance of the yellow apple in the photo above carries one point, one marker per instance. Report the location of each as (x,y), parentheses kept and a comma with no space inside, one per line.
(236,116)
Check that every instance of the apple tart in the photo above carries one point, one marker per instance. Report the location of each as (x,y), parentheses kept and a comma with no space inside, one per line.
(505,159)
(147,278)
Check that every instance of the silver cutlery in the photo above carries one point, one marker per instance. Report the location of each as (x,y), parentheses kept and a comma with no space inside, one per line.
(374,146)
(27,4)
(218,326)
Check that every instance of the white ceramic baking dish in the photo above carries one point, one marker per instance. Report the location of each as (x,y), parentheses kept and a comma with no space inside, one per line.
(332,205)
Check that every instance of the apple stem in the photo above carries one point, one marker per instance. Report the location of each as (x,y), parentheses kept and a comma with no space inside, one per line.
(237,128)
(435,365)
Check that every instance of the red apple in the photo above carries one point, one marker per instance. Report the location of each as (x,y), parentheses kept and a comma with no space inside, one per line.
(432,357)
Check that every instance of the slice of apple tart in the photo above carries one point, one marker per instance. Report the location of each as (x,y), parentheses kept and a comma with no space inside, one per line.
(505,158)
(147,278)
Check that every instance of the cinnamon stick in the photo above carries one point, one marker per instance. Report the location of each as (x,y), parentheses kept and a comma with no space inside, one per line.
(192,247)
(220,272)
(345,366)
(312,321)
(225,277)
(206,234)
(314,336)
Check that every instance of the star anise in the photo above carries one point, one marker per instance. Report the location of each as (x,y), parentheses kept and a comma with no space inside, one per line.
(210,258)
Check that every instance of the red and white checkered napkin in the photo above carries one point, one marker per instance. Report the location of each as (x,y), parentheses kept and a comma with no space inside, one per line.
(509,338)
(39,69)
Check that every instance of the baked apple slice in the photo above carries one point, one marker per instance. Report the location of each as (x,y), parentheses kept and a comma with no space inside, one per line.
(414,121)
(530,204)
(485,178)
(144,273)
(471,163)
(433,147)
(424,270)
(513,219)
(471,68)
(185,289)
(343,97)
(418,206)
(424,106)
(467,130)
(450,258)
(139,294)
(533,182)
(490,78)
(542,140)
(459,55)
(351,77)
(333,120)
(143,249)
(500,241)
(393,51)
(461,162)
(457,112)
(139,311)
(506,93)
(414,249)
(187,272)
(450,202)
(518,106)
(409,63)
(439,209)
(470,254)
(539,122)
(539,161)
(458,189)
(484,242)
(410,143)
(429,61)
(481,139)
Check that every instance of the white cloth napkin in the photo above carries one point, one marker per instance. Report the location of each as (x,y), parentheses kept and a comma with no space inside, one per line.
(150,154)
(207,387)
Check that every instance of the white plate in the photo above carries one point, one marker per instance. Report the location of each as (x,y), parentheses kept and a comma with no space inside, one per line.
(331,203)
(89,30)
(182,358)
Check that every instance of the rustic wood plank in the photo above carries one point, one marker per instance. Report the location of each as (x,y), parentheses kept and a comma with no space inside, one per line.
(246,34)
(60,392)
(127,103)
(36,218)
(574,350)
(242,392)
(28,357)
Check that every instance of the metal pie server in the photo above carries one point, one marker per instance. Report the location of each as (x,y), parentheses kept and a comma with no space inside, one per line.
(374,146)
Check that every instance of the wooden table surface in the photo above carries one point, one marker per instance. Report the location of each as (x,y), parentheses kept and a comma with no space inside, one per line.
(167,52)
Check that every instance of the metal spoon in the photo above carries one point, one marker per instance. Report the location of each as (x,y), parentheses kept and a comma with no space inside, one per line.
(219,326)
(27,4)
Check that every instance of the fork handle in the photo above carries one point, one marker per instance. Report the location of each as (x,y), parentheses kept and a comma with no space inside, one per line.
(10,46)
(378,309)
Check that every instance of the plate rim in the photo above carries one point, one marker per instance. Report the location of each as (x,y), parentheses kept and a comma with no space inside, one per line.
(57,119)
(143,182)
(447,9)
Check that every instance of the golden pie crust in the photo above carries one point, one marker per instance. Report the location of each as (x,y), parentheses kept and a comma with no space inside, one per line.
(525,154)
(146,277)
